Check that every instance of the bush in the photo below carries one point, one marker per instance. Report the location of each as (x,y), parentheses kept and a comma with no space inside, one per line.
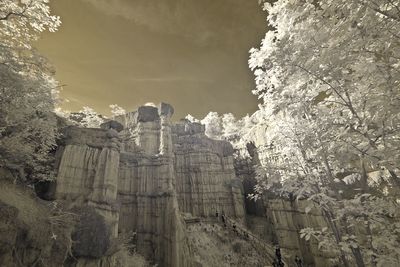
(92,236)
(237,247)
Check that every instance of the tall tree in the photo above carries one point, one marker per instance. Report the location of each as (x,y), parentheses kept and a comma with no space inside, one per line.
(328,75)
(27,89)
(21,22)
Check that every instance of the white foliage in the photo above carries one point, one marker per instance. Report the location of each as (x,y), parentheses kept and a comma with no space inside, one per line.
(352,178)
(191,118)
(28,91)
(21,23)
(328,76)
(90,118)
(117,110)
(213,124)
(150,104)
(27,124)
(62,112)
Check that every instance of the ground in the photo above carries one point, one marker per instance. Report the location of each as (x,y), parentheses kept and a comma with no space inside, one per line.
(214,245)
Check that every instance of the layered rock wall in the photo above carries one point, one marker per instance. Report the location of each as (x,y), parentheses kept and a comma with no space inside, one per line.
(288,218)
(279,220)
(88,170)
(205,177)
(142,178)
(148,206)
(142,171)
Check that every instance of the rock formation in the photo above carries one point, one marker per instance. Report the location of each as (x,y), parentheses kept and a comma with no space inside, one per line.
(145,174)
(205,176)
(142,171)
(161,182)
(278,220)
(88,170)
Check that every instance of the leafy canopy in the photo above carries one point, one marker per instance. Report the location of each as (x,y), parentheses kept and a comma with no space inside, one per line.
(27,90)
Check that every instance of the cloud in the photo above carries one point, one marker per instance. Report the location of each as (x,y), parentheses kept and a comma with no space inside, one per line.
(204,22)
(168,79)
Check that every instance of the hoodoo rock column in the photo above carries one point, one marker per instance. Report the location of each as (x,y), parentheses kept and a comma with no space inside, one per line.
(142,178)
(147,189)
(88,170)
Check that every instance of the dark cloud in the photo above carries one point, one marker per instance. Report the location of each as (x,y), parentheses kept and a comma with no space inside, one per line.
(190,53)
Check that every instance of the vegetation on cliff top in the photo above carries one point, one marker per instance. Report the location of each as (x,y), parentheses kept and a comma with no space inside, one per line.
(27,90)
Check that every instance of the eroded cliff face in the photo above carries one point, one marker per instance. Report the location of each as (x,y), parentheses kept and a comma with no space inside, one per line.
(144,173)
(288,218)
(278,220)
(205,177)
(88,170)
(141,172)
(164,181)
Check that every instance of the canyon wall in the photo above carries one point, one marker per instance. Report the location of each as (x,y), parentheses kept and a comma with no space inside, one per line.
(205,177)
(161,182)
(88,170)
(278,220)
(142,171)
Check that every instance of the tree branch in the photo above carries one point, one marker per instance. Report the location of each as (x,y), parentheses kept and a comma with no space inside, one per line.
(380,11)
(18,14)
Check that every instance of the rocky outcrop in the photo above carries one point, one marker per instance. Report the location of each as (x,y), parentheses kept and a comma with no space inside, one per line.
(205,176)
(161,183)
(88,170)
(278,220)
(244,170)
(147,196)
(288,218)
(141,171)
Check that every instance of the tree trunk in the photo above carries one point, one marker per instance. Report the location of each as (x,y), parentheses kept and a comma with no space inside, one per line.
(369,232)
(356,251)
(364,177)
(338,238)
(358,256)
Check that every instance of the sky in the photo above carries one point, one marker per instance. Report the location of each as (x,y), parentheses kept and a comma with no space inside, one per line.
(191,54)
